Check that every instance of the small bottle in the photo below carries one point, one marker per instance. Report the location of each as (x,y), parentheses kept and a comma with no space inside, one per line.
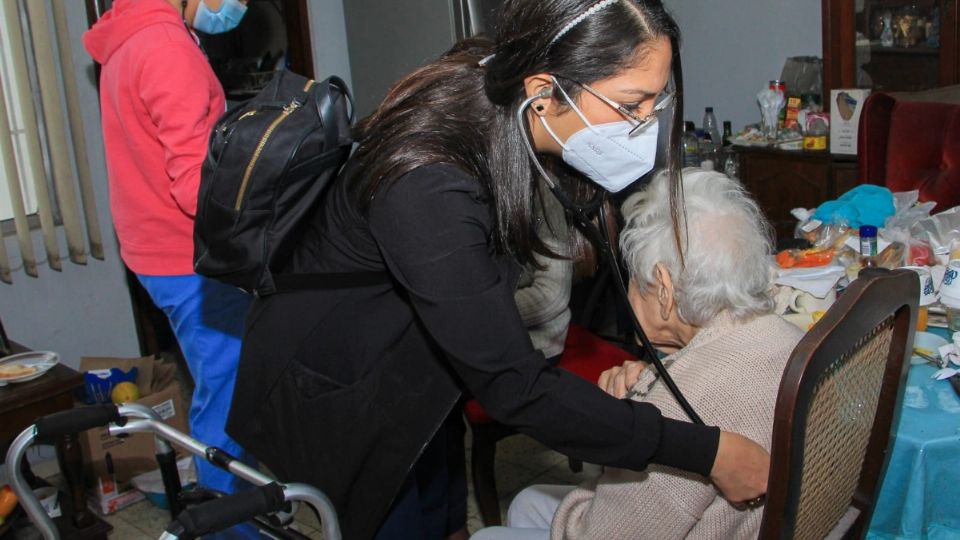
(868,245)
(691,146)
(727,134)
(711,126)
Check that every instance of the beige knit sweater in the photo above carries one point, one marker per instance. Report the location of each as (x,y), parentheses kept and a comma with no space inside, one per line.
(730,373)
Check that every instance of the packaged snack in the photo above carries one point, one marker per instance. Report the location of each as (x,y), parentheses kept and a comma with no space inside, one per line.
(805,258)
(892,256)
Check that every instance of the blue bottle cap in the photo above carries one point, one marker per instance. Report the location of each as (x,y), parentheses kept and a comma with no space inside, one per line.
(867,231)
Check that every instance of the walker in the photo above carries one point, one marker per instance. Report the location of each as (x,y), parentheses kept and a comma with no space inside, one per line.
(254,505)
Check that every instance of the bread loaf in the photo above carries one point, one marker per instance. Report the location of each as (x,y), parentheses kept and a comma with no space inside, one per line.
(9,371)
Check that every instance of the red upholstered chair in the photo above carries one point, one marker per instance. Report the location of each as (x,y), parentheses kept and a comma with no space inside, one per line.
(585,354)
(911,140)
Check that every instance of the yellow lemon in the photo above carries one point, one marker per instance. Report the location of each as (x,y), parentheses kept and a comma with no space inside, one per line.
(124,392)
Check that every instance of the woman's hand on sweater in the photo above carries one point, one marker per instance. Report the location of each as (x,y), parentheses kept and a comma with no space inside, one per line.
(740,469)
(617,381)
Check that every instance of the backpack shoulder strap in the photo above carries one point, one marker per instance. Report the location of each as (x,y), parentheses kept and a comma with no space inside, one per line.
(325,104)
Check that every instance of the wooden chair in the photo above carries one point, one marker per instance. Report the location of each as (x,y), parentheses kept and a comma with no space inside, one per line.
(836,410)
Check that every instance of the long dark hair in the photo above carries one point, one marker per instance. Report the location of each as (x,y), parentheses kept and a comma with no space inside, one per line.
(455,111)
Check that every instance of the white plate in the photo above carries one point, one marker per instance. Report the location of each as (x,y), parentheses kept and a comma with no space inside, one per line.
(42,360)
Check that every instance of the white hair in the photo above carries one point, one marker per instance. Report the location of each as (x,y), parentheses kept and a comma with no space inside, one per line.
(726,244)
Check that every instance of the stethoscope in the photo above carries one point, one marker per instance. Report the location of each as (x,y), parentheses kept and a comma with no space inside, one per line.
(599,236)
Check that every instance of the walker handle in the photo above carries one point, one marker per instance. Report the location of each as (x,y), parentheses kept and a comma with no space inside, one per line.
(221,513)
(51,427)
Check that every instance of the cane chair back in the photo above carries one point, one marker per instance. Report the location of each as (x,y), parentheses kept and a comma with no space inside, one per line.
(835,411)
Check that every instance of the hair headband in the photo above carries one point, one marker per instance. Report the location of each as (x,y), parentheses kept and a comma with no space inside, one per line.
(580,18)
(569,26)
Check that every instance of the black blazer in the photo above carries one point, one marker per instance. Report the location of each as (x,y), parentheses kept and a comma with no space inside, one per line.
(343,388)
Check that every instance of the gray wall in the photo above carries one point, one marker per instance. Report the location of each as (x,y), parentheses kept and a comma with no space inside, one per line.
(329,39)
(84,310)
(732,48)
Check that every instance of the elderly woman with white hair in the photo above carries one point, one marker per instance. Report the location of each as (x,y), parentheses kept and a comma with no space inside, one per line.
(709,306)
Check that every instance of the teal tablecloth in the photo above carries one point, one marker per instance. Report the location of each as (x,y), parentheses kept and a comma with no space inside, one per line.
(920,493)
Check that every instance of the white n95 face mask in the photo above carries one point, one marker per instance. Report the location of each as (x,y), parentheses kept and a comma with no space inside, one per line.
(607,153)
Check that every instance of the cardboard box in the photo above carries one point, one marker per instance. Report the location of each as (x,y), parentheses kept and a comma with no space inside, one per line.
(112,461)
(845,108)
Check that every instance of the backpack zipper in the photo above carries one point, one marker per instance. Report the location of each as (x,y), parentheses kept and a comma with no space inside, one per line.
(287,110)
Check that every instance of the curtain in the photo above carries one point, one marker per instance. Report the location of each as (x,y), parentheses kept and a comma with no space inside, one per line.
(41,139)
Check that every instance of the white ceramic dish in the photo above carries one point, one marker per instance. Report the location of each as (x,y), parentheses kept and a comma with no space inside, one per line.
(41,361)
(928,343)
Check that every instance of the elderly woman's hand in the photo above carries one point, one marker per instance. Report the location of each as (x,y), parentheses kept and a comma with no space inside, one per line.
(740,469)
(616,381)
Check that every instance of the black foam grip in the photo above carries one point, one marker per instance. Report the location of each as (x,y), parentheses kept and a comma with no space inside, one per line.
(50,428)
(230,510)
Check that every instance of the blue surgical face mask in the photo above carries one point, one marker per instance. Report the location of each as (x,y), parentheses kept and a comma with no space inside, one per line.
(217,22)
(607,153)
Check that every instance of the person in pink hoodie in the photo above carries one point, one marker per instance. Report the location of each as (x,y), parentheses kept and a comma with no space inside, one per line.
(159,100)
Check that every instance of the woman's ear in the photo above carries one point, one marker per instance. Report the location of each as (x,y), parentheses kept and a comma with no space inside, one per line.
(540,85)
(665,296)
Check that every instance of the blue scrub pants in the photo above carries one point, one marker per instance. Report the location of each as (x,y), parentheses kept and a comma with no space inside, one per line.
(207,317)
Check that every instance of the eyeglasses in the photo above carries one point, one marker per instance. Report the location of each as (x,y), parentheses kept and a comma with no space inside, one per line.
(663,100)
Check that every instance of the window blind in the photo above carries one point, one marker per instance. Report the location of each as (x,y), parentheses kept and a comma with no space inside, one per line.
(41,139)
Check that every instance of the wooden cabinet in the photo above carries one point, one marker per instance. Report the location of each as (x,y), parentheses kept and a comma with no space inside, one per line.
(782,180)
(891,45)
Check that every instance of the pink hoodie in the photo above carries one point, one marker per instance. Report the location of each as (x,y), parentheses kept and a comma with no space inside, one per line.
(159,100)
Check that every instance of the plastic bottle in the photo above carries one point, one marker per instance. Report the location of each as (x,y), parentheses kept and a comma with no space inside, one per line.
(711,126)
(691,147)
(709,156)
(868,241)
(868,245)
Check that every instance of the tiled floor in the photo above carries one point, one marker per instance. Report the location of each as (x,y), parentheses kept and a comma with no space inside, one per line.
(521,462)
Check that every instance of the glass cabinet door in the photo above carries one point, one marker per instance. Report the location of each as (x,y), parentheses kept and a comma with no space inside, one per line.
(890,45)
(898,44)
